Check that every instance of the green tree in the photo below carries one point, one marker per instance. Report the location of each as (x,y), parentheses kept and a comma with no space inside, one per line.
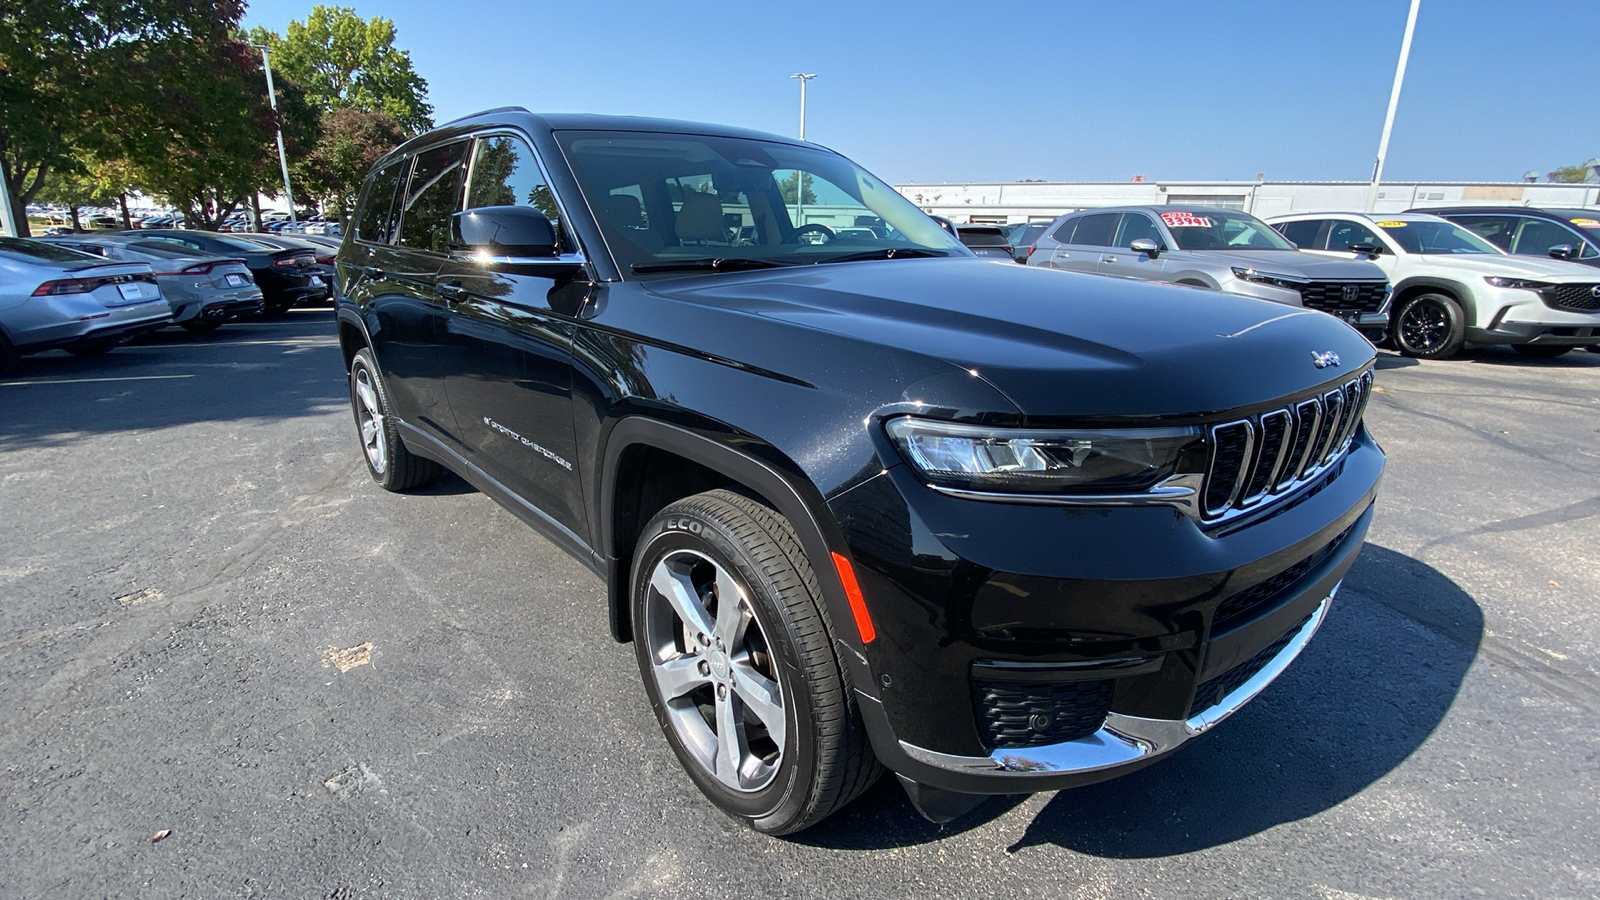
(351,142)
(79,183)
(63,80)
(206,135)
(787,189)
(343,61)
(1569,174)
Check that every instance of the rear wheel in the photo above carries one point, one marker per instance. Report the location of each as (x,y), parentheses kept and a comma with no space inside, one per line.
(92,348)
(1429,326)
(1540,351)
(739,667)
(9,357)
(389,463)
(271,309)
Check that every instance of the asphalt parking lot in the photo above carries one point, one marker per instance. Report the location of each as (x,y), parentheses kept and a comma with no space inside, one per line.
(216,627)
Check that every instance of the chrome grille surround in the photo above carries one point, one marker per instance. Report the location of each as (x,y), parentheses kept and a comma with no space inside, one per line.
(1317,434)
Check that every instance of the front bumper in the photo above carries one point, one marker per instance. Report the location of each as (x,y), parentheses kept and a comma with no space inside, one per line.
(1145,605)
(1522,317)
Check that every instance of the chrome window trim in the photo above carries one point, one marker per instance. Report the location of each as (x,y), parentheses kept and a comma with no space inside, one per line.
(576,256)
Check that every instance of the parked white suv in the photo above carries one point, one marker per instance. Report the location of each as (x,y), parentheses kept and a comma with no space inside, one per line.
(1453,288)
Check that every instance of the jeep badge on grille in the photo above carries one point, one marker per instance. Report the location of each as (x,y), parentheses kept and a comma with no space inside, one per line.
(1324,359)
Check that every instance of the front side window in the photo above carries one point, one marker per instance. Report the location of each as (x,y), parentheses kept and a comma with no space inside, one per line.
(1342,235)
(1537,236)
(1136,226)
(432,196)
(1222,229)
(667,202)
(1435,237)
(505,173)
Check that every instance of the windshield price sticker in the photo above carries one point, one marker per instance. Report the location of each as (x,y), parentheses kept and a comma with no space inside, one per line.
(1390,224)
(1586,223)
(1185,220)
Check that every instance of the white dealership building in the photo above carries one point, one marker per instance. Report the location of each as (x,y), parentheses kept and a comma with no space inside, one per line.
(1027,201)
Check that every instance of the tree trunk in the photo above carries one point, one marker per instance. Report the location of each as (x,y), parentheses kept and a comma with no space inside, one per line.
(255,210)
(73,208)
(127,220)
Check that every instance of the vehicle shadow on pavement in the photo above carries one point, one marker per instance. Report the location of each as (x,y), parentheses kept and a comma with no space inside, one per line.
(271,370)
(1395,361)
(1368,691)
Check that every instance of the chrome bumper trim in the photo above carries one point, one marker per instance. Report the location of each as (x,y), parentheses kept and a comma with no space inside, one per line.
(1123,739)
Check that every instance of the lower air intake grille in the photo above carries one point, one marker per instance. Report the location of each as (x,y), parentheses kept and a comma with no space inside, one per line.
(1580,297)
(1031,715)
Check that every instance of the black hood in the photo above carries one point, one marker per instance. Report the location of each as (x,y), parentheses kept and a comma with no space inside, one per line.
(1057,344)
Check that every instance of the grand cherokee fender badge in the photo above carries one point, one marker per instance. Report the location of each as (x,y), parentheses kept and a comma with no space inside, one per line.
(1324,359)
(527,443)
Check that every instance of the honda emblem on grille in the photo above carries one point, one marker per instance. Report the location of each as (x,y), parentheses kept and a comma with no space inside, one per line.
(1350,293)
(1595,292)
(1324,359)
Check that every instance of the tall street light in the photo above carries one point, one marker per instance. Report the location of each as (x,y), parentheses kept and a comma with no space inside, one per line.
(1394,101)
(803,79)
(283,158)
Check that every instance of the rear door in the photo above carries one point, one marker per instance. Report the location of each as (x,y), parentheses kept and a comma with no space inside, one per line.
(509,379)
(1090,236)
(1124,262)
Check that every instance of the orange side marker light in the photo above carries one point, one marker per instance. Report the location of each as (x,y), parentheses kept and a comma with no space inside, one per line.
(858,606)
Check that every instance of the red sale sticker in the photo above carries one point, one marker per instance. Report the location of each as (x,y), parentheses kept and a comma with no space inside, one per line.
(1185,220)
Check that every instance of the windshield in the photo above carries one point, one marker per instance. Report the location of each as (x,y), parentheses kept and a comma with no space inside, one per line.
(1222,229)
(1429,237)
(662,199)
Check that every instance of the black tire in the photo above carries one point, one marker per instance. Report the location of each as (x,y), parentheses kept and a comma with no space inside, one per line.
(390,464)
(1541,351)
(91,348)
(201,326)
(824,759)
(272,309)
(9,357)
(1429,326)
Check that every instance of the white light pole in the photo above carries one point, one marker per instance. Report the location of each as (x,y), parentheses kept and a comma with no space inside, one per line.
(283,158)
(1394,101)
(803,79)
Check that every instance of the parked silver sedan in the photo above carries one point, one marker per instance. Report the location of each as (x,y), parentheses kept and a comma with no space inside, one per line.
(204,291)
(55,298)
(1221,249)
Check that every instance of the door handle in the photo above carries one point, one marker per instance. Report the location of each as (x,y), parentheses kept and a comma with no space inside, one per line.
(450,291)
(372,272)
(1111,259)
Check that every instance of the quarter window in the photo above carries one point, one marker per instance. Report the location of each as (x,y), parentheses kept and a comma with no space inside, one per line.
(1064,233)
(1303,233)
(376,223)
(432,196)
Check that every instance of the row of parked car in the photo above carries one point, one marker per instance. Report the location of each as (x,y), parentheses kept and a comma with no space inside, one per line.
(87,293)
(1430,281)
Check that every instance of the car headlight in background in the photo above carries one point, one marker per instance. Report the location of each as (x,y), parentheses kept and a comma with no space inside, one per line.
(1282,281)
(1087,461)
(1525,284)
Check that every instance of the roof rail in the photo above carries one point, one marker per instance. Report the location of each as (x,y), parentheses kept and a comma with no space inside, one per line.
(483,112)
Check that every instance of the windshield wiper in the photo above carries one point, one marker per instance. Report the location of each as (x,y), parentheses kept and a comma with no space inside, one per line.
(886,253)
(713,263)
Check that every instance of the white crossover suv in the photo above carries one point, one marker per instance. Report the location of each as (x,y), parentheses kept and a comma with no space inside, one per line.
(1452,288)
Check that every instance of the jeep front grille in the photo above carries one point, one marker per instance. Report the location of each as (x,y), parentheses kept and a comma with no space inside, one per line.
(1255,459)
(1576,297)
(1332,296)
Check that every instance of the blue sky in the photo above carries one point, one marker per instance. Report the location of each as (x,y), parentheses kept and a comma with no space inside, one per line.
(941,91)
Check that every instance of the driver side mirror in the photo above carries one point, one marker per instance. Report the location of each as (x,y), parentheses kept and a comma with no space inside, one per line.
(1366,248)
(1146,246)
(1562,251)
(507,233)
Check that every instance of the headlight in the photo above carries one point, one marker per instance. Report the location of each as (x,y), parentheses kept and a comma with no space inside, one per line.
(976,458)
(1282,281)
(1520,283)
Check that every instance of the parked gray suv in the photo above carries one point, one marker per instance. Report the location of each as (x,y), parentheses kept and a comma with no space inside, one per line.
(1216,248)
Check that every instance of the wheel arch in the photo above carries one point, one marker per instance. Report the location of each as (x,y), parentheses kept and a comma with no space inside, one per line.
(1425,284)
(639,449)
(353,335)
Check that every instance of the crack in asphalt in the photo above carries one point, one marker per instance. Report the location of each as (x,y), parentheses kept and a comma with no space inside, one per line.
(1494,439)
(1561,515)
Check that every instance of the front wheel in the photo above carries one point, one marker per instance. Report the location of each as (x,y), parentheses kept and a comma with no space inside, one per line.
(1429,326)
(390,464)
(738,664)
(1540,351)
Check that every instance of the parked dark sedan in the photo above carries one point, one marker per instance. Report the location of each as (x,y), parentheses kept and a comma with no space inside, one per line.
(326,252)
(286,277)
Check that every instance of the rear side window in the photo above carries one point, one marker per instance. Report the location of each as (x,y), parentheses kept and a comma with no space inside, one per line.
(1095,230)
(432,195)
(376,222)
(505,173)
(1304,234)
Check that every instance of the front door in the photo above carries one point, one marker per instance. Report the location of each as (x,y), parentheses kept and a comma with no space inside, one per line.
(510,345)
(1124,262)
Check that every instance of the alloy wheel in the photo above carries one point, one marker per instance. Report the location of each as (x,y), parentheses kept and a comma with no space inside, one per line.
(1424,325)
(713,666)
(369,415)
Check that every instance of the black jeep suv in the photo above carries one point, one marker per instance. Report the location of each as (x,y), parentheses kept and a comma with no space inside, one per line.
(859,498)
